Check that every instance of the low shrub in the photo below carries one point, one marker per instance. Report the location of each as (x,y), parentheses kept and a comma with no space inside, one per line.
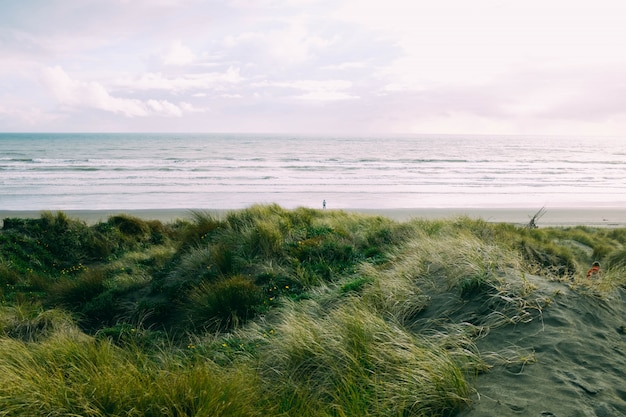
(600,251)
(130,225)
(265,240)
(75,292)
(225,303)
(100,311)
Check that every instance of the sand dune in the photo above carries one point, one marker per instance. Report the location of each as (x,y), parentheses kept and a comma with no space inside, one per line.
(579,344)
(568,356)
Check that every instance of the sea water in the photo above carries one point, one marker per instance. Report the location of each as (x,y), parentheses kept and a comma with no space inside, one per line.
(229,171)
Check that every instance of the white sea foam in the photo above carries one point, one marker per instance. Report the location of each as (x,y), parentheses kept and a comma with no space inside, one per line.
(146,171)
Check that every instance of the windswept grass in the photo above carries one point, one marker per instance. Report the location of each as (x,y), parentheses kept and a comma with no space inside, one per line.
(72,374)
(268,311)
(351,361)
(31,322)
(224,303)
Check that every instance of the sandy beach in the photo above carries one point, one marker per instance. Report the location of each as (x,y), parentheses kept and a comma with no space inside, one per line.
(558,217)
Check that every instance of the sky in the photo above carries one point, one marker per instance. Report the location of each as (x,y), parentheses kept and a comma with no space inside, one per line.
(503,67)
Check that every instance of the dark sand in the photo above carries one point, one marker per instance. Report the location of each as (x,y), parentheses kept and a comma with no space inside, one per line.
(578,343)
(609,217)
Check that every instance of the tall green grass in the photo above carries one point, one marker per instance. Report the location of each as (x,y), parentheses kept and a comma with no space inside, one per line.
(30,322)
(351,361)
(284,253)
(71,374)
(268,311)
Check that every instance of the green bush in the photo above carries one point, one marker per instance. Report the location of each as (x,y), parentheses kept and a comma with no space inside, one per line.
(203,228)
(195,265)
(618,235)
(8,276)
(266,240)
(100,311)
(130,225)
(601,250)
(224,304)
(75,292)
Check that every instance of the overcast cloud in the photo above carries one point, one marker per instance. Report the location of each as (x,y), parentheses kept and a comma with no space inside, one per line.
(314,66)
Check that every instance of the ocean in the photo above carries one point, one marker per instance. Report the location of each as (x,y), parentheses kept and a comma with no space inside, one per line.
(93,171)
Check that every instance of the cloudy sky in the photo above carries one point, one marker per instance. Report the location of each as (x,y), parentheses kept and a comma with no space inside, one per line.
(314,66)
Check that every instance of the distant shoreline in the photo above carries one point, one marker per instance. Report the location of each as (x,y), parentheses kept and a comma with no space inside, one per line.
(558,217)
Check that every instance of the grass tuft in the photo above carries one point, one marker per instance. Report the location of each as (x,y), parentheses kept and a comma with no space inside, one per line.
(351,361)
(225,303)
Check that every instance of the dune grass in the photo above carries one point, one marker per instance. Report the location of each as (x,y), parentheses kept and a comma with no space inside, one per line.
(351,361)
(267,311)
(70,373)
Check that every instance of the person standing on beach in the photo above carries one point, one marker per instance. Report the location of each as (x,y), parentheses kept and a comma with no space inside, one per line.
(594,271)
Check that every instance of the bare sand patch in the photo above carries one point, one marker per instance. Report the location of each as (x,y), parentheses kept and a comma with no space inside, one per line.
(578,343)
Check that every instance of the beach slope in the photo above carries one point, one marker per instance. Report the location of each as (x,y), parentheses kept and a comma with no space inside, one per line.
(576,363)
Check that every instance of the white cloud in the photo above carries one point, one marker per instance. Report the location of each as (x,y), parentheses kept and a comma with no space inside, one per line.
(177,54)
(273,3)
(159,81)
(311,86)
(164,107)
(291,43)
(452,42)
(79,94)
(326,96)
(22,113)
(190,108)
(88,94)
(315,90)
(455,65)
(344,66)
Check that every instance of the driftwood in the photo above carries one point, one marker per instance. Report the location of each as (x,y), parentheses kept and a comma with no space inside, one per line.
(532,224)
